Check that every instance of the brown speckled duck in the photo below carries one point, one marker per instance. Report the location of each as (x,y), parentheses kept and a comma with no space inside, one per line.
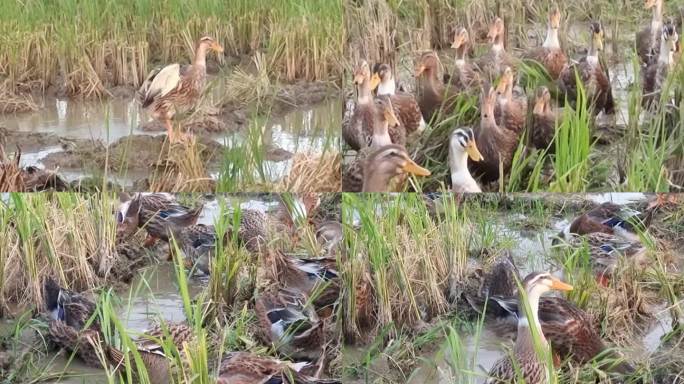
(608,218)
(512,108)
(177,87)
(434,98)
(592,75)
(544,118)
(524,363)
(386,163)
(657,70)
(248,368)
(495,143)
(358,125)
(405,105)
(465,75)
(648,39)
(289,322)
(550,54)
(352,176)
(493,62)
(151,348)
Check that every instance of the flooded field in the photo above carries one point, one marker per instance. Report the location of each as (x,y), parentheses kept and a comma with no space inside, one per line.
(445,341)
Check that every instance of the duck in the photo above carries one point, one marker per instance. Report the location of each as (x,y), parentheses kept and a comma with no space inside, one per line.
(288,321)
(405,106)
(656,71)
(176,87)
(157,211)
(544,120)
(386,163)
(152,346)
(461,147)
(353,175)
(72,323)
(592,74)
(493,62)
(358,126)
(550,55)
(434,98)
(465,75)
(318,278)
(511,108)
(494,142)
(648,39)
(605,251)
(571,332)
(524,362)
(329,234)
(248,368)
(611,219)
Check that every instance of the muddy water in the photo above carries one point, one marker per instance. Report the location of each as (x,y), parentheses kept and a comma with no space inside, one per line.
(153,295)
(305,130)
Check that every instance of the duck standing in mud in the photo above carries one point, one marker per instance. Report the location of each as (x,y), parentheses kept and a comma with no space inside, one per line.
(177,87)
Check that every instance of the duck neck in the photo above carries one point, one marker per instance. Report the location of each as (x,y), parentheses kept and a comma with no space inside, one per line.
(461,55)
(592,55)
(498,45)
(365,95)
(666,56)
(458,164)
(657,18)
(381,135)
(200,60)
(525,338)
(374,181)
(551,41)
(387,86)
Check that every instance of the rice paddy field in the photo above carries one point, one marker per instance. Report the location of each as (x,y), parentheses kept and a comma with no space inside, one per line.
(400,286)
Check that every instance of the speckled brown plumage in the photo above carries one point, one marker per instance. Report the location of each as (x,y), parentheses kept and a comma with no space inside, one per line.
(465,75)
(288,321)
(544,118)
(648,39)
(493,63)
(550,55)
(248,368)
(655,74)
(433,97)
(405,106)
(494,142)
(592,75)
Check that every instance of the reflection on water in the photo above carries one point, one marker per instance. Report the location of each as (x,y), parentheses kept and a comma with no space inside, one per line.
(310,129)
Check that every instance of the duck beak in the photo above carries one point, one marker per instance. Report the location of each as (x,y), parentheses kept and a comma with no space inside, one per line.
(420,70)
(560,286)
(473,152)
(598,41)
(391,118)
(375,81)
(216,47)
(538,106)
(358,79)
(457,43)
(648,4)
(411,167)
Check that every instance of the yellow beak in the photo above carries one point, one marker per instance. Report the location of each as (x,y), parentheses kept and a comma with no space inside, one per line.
(411,167)
(391,118)
(560,286)
(216,47)
(375,81)
(420,70)
(539,107)
(473,152)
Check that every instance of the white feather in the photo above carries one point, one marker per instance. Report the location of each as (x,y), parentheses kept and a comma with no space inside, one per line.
(166,81)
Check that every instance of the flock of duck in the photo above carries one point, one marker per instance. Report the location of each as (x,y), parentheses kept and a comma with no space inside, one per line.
(379,127)
(610,231)
(293,311)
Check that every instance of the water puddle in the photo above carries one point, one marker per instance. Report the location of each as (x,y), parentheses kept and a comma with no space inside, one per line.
(306,130)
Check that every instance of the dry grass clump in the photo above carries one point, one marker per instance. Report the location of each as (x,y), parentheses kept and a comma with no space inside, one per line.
(183,170)
(67,236)
(313,173)
(10,172)
(14,103)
